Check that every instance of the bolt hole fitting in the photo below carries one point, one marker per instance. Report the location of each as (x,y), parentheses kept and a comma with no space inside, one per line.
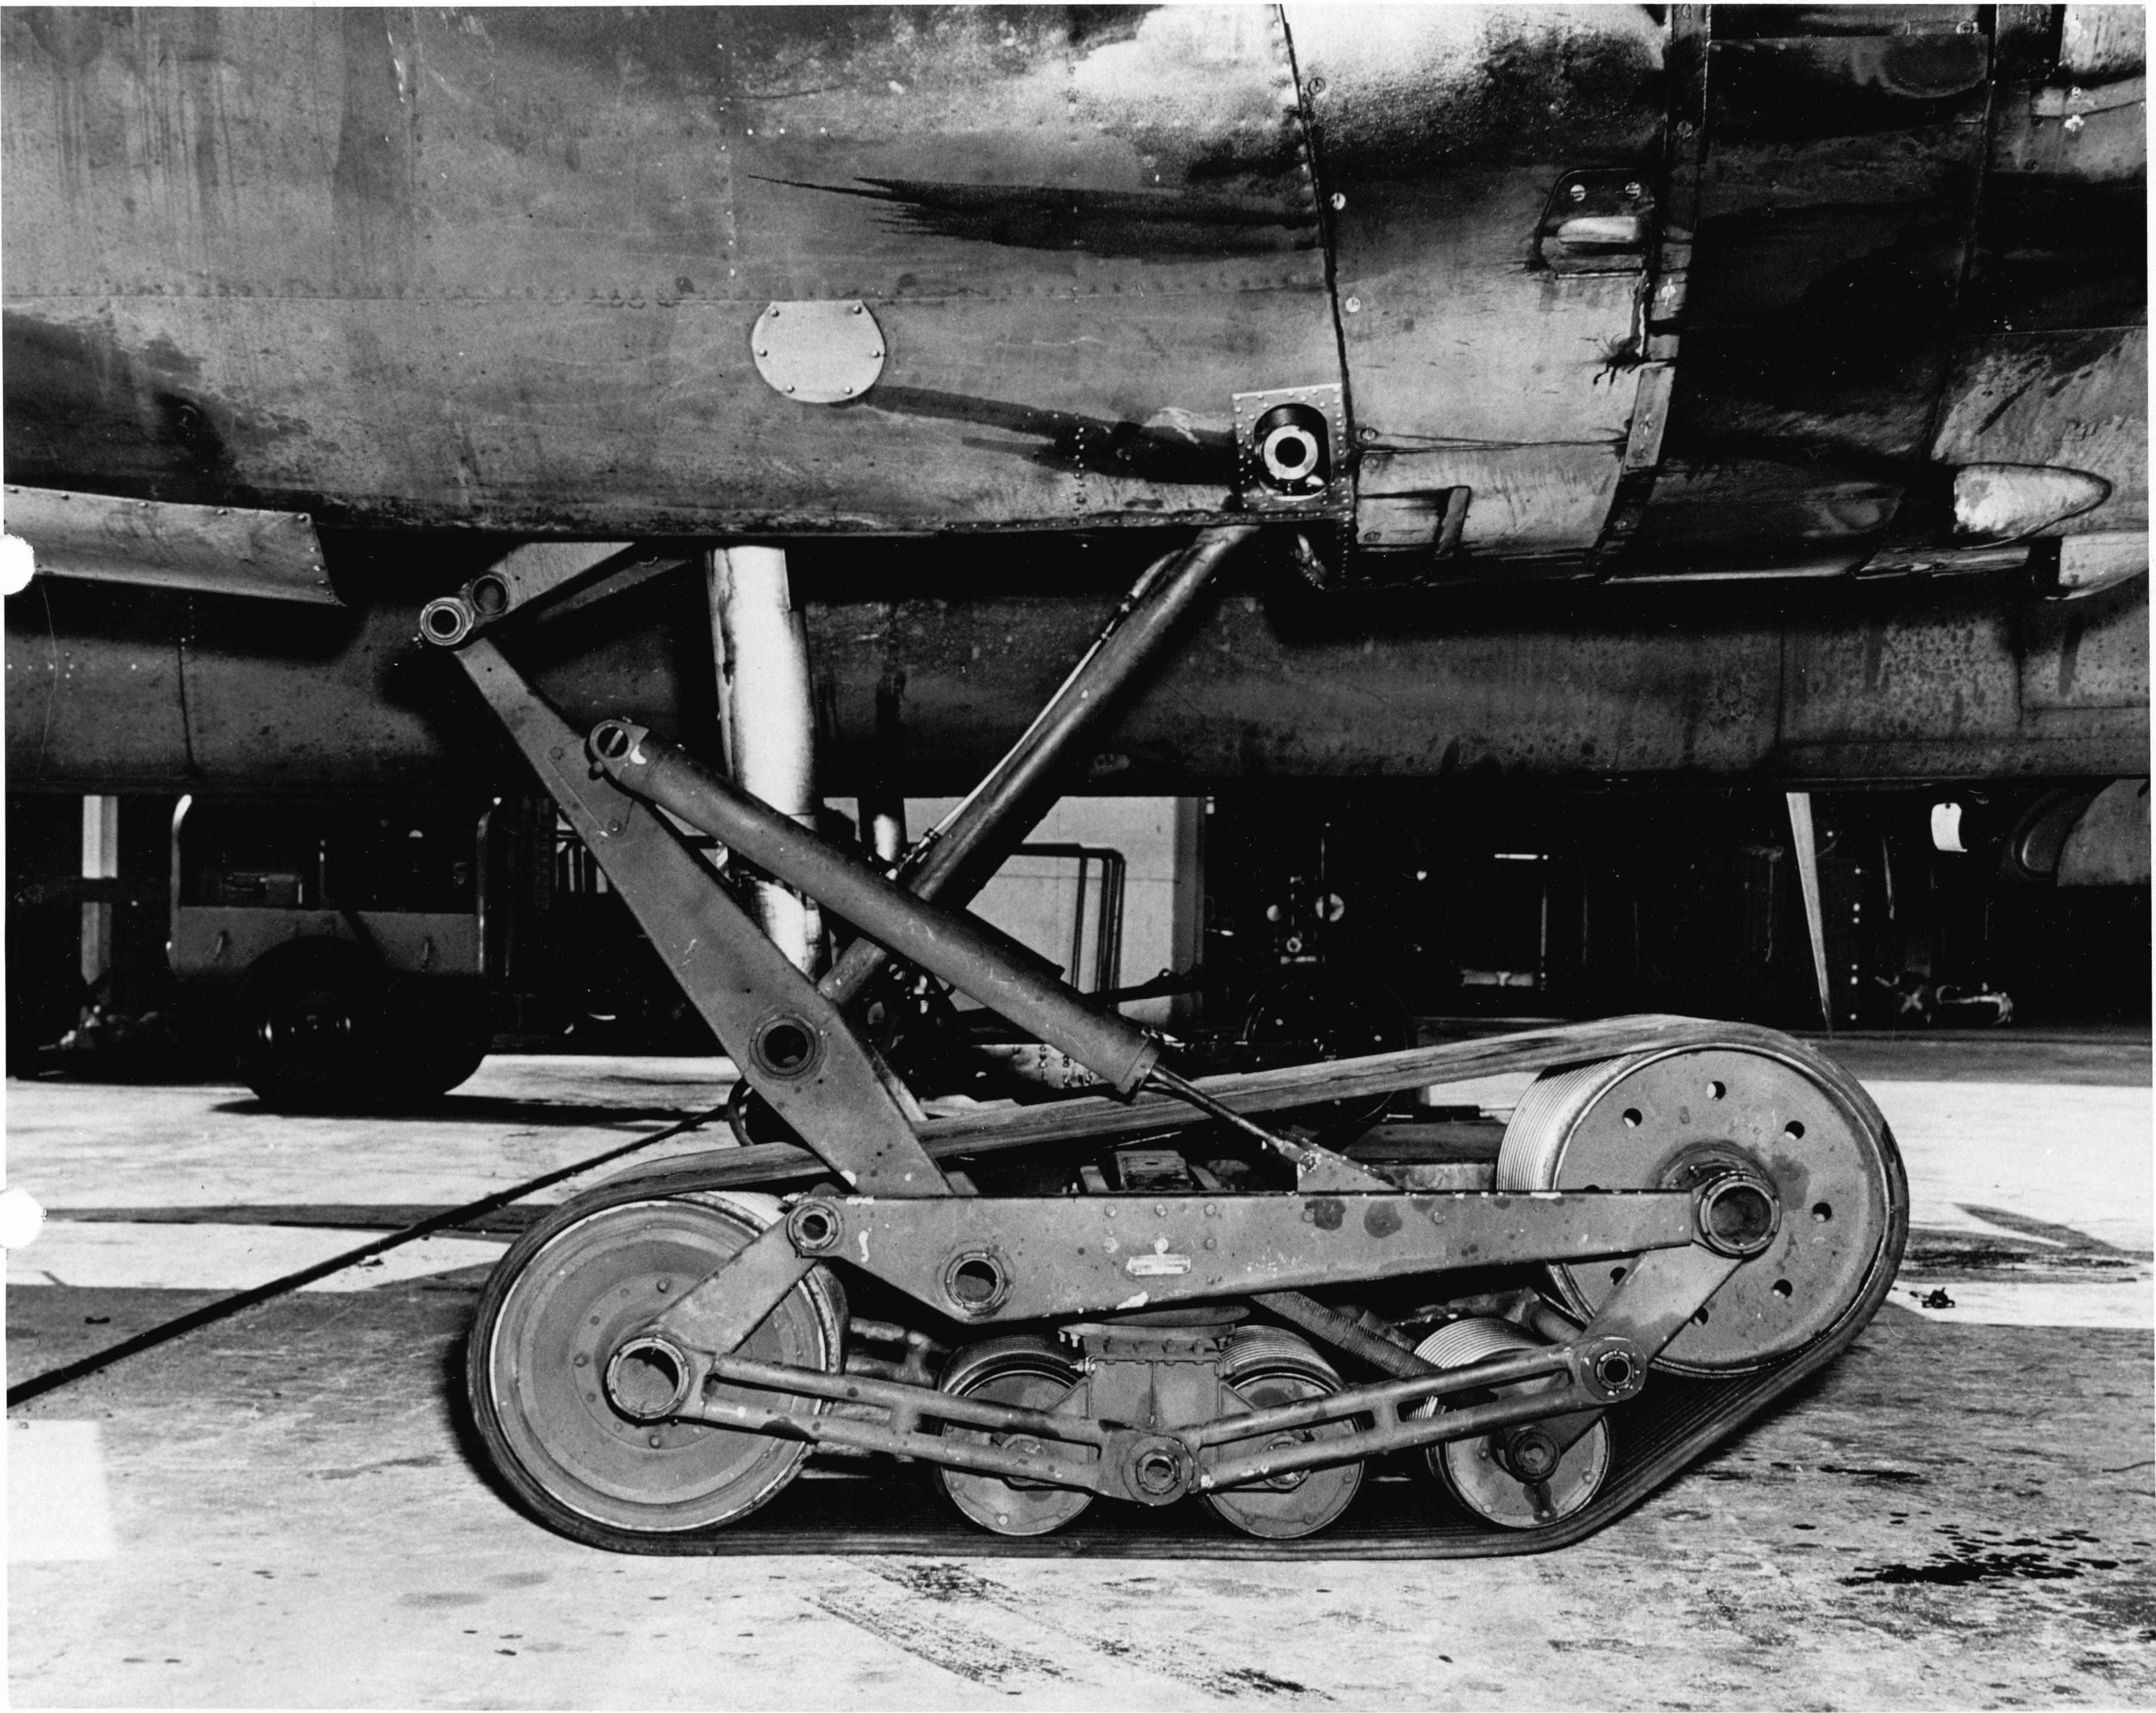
(1738,1217)
(448,621)
(489,595)
(814,1228)
(787,1046)
(647,1379)
(977,1282)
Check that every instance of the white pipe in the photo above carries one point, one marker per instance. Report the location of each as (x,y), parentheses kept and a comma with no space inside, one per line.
(767,717)
(886,827)
(1805,844)
(101,861)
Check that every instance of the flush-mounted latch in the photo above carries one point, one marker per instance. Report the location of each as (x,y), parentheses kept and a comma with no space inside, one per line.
(1600,220)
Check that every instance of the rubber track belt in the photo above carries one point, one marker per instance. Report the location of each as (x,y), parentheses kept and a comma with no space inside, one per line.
(1672,1423)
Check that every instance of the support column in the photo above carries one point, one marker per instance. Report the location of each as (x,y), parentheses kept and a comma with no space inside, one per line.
(768,719)
(1804,844)
(883,800)
(883,824)
(1187,943)
(101,861)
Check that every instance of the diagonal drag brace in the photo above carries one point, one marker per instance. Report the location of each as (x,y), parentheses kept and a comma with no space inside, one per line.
(790,1042)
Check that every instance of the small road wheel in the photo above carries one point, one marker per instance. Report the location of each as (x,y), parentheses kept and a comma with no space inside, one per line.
(1028,1374)
(1266,1367)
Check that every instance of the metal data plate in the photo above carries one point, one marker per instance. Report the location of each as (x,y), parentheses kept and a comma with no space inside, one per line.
(819,352)
(220,550)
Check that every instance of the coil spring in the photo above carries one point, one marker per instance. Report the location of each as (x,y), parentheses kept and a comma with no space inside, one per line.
(1458,1343)
(1542,1123)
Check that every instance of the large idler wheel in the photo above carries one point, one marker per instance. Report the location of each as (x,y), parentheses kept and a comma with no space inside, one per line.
(1265,1367)
(1655,1120)
(580,1435)
(1475,1471)
(1026,1374)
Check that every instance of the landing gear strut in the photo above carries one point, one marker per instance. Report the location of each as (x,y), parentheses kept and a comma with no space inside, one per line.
(1673,1199)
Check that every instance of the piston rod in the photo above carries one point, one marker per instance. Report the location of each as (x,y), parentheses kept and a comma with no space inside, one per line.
(947,945)
(954,860)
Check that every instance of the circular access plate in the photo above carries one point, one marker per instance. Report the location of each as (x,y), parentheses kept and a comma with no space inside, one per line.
(819,352)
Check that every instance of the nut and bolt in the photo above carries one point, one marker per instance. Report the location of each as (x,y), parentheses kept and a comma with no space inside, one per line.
(1157,1471)
(1532,1454)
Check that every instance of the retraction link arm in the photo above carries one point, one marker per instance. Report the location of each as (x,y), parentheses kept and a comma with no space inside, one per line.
(1003,1260)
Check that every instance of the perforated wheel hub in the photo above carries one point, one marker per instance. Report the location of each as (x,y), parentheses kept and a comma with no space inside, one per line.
(1658,1119)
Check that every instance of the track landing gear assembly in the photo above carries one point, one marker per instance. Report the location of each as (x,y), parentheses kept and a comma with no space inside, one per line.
(1684,1220)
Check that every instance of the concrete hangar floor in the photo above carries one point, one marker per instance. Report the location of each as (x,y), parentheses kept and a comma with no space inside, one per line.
(279,1510)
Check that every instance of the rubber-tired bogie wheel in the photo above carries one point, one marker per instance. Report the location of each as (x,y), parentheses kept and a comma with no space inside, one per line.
(1672,1117)
(1474,1470)
(1267,1368)
(1026,1372)
(570,1294)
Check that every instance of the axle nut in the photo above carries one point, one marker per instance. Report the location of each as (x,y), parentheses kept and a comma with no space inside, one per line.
(647,1379)
(814,1228)
(1531,1454)
(1610,1368)
(1157,1471)
(1738,1216)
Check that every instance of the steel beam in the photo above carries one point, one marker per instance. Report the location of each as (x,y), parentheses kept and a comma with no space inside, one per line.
(1046,1256)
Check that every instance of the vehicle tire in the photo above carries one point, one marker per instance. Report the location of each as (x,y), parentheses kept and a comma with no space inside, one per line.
(435,1036)
(310,1026)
